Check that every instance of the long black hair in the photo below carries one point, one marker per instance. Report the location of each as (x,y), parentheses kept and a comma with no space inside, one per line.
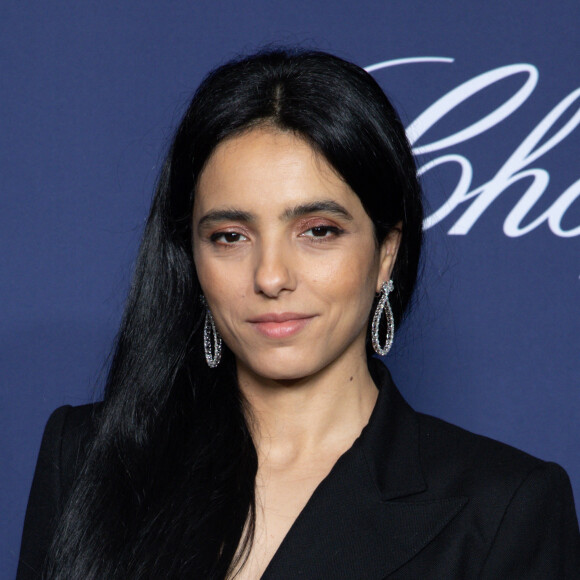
(167,489)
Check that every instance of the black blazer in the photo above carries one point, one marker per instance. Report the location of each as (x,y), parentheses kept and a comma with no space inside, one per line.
(413,498)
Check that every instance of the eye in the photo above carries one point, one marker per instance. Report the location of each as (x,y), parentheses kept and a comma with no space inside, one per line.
(227,237)
(322,232)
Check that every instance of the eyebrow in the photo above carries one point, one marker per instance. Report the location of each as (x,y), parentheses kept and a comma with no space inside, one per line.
(326,206)
(232,214)
(221,215)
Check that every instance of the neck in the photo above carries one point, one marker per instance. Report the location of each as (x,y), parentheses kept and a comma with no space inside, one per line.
(294,420)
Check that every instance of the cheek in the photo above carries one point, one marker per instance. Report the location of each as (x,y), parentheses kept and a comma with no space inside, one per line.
(347,278)
(211,280)
(225,288)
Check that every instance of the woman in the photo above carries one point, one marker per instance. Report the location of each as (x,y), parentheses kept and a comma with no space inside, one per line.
(245,432)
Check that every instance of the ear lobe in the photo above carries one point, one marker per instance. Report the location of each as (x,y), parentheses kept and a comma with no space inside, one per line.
(388,254)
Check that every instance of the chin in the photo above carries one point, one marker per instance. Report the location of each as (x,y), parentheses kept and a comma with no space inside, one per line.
(290,373)
(283,368)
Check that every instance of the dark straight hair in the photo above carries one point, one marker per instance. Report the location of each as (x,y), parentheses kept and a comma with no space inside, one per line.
(167,489)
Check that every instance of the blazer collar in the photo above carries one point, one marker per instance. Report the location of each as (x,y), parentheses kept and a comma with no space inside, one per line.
(352,528)
(390,441)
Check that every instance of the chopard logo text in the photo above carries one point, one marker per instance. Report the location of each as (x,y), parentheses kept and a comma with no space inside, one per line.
(523,165)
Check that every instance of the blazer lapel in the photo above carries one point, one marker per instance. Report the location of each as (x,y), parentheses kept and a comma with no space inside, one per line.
(363,521)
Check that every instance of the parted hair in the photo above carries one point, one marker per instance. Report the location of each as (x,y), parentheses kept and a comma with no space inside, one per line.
(167,487)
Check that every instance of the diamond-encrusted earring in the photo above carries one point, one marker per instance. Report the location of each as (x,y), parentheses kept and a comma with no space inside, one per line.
(383,306)
(209,331)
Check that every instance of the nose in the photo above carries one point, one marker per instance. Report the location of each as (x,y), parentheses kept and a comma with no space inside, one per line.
(274,273)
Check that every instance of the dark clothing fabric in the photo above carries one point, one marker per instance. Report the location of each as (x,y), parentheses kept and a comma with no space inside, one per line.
(413,498)
(62,452)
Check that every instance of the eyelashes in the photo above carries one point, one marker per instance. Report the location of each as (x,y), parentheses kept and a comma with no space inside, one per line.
(227,238)
(313,231)
(322,232)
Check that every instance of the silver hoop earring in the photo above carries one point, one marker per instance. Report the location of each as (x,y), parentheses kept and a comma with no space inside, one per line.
(383,306)
(209,330)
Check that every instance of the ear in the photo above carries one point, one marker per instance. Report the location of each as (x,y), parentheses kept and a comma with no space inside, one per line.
(388,254)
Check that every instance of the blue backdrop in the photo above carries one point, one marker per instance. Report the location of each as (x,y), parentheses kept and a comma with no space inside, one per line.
(490,94)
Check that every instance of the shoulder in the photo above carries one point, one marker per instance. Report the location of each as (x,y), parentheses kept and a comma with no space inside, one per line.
(452,460)
(519,516)
(476,463)
(72,425)
(520,504)
(72,421)
(65,441)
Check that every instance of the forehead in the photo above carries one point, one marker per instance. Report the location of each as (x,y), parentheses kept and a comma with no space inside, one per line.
(267,169)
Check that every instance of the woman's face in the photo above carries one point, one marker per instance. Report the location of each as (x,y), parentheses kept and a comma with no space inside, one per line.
(285,255)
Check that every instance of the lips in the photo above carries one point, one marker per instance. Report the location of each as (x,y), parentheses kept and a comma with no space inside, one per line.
(282,317)
(280,325)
